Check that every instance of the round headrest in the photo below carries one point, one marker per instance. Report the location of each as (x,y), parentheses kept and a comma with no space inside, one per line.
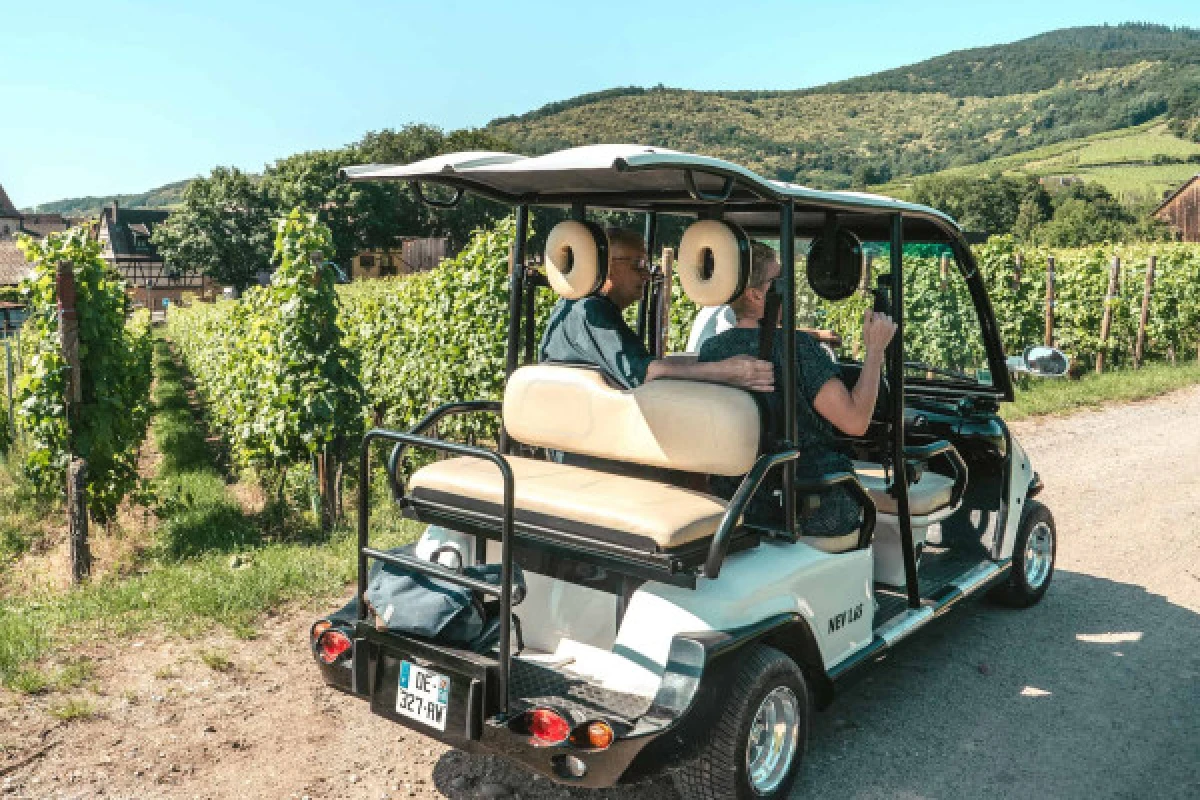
(714,262)
(576,258)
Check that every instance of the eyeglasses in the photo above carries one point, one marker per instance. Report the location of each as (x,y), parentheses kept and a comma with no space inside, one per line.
(640,264)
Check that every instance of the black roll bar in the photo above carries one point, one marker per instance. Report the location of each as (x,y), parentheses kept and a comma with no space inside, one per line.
(506,533)
(719,547)
(787,263)
(896,378)
(429,421)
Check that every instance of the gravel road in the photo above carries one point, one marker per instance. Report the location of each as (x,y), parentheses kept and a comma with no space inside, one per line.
(1094,693)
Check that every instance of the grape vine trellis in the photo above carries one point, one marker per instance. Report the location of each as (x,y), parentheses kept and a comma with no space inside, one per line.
(107,427)
(411,343)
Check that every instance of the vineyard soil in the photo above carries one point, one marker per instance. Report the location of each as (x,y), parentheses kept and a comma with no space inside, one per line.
(1090,694)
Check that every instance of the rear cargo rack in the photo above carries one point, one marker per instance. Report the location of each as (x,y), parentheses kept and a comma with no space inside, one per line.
(365,552)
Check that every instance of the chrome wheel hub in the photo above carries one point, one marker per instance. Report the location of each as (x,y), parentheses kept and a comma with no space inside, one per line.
(774,739)
(1039,555)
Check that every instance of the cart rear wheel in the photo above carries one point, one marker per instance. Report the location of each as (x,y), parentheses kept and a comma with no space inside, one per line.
(755,749)
(1033,559)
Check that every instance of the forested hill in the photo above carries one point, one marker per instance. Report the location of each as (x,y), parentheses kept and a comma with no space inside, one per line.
(961,108)
(162,197)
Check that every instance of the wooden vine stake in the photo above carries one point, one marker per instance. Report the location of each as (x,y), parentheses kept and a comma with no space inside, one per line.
(1140,345)
(1114,278)
(944,275)
(325,461)
(1049,301)
(664,302)
(77,515)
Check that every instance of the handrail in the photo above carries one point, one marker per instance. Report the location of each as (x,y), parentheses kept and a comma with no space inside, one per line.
(451,203)
(749,485)
(741,498)
(427,422)
(943,448)
(506,530)
(856,488)
(435,569)
(689,180)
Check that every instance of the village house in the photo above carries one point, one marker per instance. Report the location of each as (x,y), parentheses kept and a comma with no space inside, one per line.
(13,267)
(125,236)
(1181,210)
(414,255)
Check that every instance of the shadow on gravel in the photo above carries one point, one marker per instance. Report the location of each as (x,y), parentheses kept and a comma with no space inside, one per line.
(1092,693)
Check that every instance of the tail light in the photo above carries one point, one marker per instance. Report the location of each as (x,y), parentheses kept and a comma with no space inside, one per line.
(595,735)
(319,627)
(332,645)
(547,727)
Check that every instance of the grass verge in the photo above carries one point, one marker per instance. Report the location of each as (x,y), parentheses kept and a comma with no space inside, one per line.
(189,583)
(1048,396)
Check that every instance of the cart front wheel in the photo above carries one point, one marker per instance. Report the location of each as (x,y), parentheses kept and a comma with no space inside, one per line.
(755,749)
(1033,559)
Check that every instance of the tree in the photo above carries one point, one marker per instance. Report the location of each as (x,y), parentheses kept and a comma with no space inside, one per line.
(223,228)
(987,204)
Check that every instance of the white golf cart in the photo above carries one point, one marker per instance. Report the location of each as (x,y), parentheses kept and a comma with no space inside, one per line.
(660,629)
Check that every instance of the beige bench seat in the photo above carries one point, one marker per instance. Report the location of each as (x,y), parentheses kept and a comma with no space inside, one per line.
(634,512)
(931,493)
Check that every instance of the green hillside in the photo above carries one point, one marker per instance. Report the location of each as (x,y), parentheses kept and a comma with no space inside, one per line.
(954,110)
(1123,102)
(163,197)
(1136,164)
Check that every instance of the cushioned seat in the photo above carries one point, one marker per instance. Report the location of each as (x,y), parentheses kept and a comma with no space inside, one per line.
(634,512)
(931,493)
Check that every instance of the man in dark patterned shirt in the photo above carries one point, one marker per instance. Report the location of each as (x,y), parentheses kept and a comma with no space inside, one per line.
(822,402)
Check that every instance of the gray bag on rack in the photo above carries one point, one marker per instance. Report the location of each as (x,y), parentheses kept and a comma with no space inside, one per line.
(407,601)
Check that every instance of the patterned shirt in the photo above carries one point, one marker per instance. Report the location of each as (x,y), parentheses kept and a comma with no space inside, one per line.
(830,513)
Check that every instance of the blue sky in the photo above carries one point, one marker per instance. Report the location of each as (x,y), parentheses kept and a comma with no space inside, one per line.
(114,96)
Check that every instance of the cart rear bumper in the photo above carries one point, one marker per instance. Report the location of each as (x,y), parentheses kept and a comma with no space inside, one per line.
(650,734)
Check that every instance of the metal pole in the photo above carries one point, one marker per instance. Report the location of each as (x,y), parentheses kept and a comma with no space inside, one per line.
(896,377)
(516,285)
(787,264)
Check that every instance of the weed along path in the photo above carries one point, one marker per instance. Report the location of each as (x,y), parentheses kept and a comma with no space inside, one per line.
(1093,693)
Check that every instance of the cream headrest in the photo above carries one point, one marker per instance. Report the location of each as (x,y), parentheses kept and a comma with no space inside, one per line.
(714,262)
(576,258)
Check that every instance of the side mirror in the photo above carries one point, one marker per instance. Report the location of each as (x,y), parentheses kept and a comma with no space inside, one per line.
(1041,361)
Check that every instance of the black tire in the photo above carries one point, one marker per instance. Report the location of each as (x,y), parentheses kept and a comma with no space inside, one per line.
(719,771)
(1018,591)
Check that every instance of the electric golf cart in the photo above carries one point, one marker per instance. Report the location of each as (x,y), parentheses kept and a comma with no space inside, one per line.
(658,628)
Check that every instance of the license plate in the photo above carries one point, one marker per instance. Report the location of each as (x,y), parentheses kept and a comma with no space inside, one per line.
(423,695)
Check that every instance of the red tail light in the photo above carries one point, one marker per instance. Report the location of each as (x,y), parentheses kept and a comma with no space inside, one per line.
(333,645)
(319,627)
(547,726)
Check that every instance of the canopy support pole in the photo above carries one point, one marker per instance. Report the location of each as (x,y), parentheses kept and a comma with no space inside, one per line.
(896,378)
(516,291)
(787,264)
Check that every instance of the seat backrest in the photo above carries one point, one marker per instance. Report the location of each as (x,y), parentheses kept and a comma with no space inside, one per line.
(682,425)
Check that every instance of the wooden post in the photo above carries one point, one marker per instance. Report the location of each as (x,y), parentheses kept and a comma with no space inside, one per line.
(9,375)
(1114,277)
(1049,340)
(77,516)
(664,305)
(77,521)
(945,271)
(1140,344)
(1018,268)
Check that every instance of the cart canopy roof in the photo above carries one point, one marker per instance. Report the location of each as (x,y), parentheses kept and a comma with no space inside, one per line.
(642,178)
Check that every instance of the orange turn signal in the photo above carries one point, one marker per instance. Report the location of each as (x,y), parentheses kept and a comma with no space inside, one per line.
(595,735)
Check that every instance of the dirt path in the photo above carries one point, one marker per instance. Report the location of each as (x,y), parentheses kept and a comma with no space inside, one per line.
(1094,693)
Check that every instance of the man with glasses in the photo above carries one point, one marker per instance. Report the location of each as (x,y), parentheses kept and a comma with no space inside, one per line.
(592,331)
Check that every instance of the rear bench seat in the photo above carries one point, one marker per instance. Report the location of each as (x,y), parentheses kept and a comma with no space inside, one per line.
(678,425)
